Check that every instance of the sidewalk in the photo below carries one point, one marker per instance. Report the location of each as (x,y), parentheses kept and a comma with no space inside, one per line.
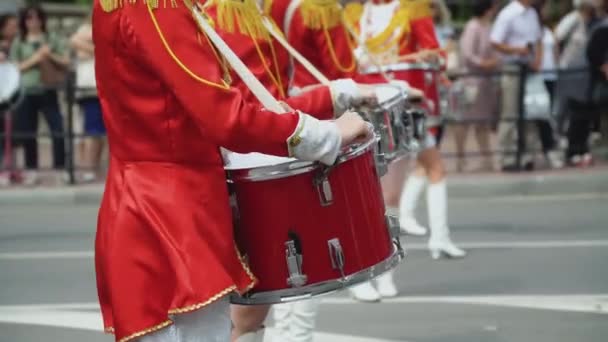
(570,181)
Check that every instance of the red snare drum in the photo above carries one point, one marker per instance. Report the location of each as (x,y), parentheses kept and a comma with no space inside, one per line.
(305,229)
(423,76)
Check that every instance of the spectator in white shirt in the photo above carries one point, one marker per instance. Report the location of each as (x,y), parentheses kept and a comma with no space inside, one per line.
(516,34)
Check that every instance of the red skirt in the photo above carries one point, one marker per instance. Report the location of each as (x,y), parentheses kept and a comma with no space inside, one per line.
(164,245)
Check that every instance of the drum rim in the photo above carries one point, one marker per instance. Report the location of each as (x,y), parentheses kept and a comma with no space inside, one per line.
(400,96)
(422,66)
(322,288)
(17,86)
(287,169)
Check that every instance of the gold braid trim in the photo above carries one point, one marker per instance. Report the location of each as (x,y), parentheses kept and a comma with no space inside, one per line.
(242,14)
(112,5)
(147,331)
(386,40)
(417,8)
(321,14)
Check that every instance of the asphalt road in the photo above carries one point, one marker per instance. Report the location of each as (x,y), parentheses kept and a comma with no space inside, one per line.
(536,271)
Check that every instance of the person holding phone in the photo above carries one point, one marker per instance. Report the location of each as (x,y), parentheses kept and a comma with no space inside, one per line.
(38,54)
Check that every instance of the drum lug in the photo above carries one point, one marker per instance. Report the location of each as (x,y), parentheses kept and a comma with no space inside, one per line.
(394,227)
(326,196)
(294,265)
(337,255)
(381,164)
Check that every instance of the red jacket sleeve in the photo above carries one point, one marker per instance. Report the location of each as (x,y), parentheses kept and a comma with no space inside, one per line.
(223,116)
(317,102)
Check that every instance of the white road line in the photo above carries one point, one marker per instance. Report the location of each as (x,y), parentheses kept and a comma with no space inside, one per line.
(92,321)
(49,255)
(519,244)
(533,198)
(597,303)
(46,255)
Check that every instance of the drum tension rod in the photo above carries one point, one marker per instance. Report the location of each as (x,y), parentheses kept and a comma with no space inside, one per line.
(337,256)
(293,255)
(321,183)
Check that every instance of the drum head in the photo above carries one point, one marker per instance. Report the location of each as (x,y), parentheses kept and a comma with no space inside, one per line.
(10,76)
(239,161)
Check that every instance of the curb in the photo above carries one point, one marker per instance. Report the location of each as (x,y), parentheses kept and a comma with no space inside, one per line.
(566,182)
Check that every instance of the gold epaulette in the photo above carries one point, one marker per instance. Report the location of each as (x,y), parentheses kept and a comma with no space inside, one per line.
(321,14)
(417,8)
(352,14)
(242,14)
(112,5)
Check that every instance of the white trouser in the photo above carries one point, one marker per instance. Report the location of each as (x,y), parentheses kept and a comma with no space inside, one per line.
(295,322)
(209,324)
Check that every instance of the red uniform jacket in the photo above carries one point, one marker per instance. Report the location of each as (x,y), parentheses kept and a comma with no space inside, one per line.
(164,240)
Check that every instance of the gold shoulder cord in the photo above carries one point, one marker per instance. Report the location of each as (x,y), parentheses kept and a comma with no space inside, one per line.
(325,15)
(224,85)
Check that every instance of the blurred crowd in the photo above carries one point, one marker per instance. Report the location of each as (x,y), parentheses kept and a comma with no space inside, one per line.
(505,61)
(44,59)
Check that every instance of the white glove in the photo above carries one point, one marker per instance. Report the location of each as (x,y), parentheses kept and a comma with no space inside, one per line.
(315,140)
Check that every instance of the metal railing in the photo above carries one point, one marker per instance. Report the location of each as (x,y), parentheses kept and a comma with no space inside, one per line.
(522,74)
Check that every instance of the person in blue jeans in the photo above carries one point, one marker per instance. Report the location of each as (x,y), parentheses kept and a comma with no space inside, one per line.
(82,43)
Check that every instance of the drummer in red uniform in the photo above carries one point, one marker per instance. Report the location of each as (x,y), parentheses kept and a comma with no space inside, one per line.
(270,63)
(392,33)
(389,30)
(165,255)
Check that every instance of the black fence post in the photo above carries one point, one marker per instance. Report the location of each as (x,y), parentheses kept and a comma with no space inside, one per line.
(521,117)
(70,97)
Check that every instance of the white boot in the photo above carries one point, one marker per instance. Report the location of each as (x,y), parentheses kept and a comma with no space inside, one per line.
(282,321)
(257,336)
(365,292)
(407,205)
(386,285)
(440,242)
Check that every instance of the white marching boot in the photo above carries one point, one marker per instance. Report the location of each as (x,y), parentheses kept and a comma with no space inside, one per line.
(365,293)
(257,336)
(440,242)
(407,205)
(386,285)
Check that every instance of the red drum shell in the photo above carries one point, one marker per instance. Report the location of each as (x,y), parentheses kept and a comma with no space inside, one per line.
(270,211)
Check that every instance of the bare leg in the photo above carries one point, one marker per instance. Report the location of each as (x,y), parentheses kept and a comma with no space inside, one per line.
(460,138)
(482,134)
(247,319)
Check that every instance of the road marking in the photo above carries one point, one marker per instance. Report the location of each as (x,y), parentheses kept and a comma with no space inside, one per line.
(50,255)
(34,315)
(519,244)
(597,303)
(47,255)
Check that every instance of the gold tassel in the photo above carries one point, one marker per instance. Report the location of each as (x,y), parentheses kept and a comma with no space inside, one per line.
(417,8)
(352,14)
(241,14)
(321,14)
(267,8)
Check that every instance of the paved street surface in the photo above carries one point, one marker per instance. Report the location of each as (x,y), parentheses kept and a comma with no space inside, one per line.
(536,272)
